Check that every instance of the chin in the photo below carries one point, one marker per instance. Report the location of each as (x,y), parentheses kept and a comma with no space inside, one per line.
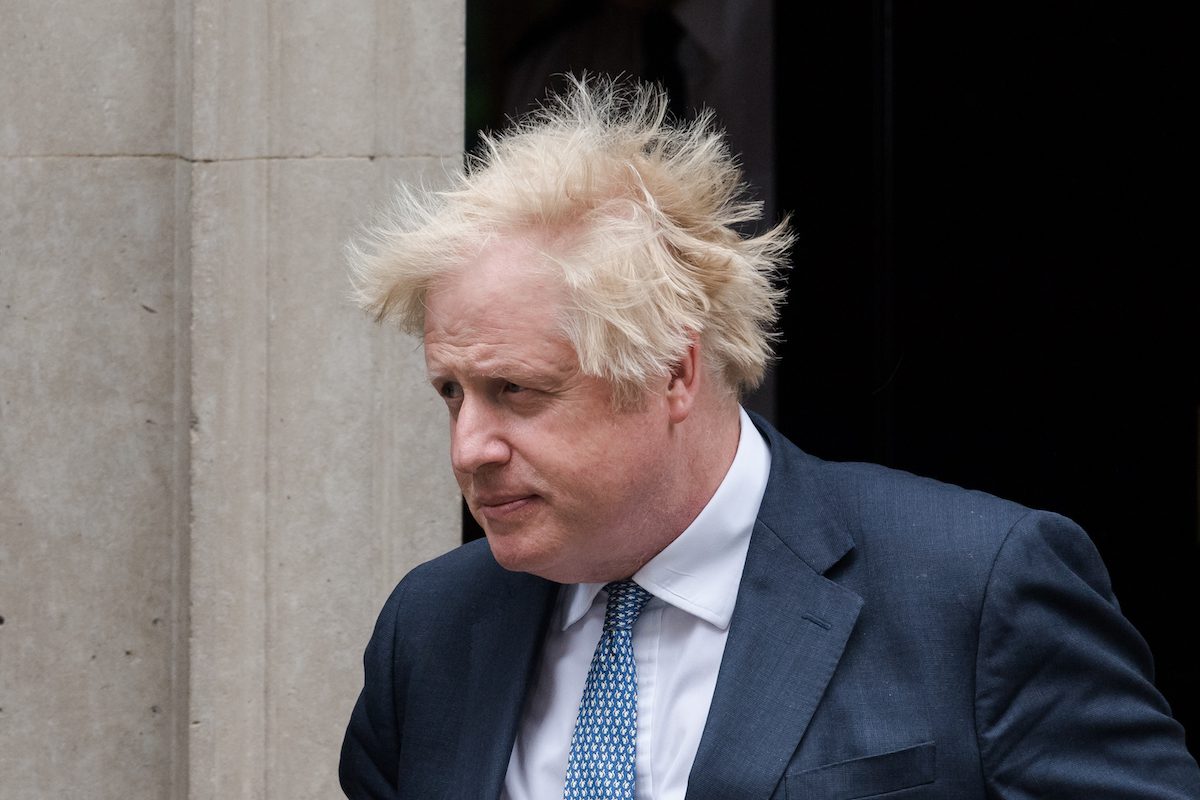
(515,558)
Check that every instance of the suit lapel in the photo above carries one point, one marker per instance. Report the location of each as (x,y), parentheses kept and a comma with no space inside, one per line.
(505,642)
(787,634)
(788,631)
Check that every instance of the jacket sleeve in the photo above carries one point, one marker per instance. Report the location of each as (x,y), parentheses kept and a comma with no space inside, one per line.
(1065,704)
(371,749)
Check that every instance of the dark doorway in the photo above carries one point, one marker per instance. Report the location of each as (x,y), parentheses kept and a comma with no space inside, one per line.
(993,281)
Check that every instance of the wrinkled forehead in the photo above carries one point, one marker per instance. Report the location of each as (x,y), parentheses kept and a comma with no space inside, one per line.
(508,283)
(529,251)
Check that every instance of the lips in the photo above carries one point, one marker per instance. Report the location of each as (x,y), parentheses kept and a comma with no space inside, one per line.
(498,506)
(499,501)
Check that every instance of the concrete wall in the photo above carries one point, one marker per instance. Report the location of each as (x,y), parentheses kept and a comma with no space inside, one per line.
(212,468)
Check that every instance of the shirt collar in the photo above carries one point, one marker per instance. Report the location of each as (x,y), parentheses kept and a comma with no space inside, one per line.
(699,572)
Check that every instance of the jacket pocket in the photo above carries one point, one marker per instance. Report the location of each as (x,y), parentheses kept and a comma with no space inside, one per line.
(865,777)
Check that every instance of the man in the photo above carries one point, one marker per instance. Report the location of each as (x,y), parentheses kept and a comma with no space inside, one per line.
(672,600)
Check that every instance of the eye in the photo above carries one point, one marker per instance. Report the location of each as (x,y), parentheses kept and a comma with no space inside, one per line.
(513,388)
(450,390)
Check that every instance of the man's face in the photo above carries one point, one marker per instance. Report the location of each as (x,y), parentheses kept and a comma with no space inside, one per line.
(564,486)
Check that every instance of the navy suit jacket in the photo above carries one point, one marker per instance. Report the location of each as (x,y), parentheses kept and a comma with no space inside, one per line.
(893,636)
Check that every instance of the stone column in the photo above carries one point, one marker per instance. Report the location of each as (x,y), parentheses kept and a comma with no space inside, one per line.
(212,467)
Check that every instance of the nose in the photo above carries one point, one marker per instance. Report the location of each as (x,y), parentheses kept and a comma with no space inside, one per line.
(477,437)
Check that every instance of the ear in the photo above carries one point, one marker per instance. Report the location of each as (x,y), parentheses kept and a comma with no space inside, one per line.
(683,386)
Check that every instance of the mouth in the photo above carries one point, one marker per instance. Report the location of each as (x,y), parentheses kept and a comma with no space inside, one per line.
(500,507)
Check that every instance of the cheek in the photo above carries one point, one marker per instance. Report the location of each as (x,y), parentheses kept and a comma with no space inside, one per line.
(593,467)
(622,478)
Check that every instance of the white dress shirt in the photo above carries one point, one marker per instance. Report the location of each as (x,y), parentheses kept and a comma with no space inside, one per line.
(678,643)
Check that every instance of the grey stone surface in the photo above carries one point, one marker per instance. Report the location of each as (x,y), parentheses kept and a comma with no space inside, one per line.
(325,73)
(227,558)
(230,79)
(87,77)
(406,458)
(313,490)
(310,78)
(212,467)
(420,78)
(337,433)
(90,495)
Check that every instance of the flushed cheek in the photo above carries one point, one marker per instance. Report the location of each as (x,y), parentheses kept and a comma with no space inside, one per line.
(531,547)
(465,486)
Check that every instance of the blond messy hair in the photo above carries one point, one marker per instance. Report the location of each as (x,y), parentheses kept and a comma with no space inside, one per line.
(639,214)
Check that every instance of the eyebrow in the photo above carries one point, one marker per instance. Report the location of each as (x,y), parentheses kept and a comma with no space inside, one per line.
(513,371)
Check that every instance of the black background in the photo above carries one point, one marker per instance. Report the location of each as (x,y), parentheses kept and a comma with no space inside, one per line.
(993,282)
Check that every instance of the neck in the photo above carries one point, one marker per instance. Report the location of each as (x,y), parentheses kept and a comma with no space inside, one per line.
(708,442)
(709,450)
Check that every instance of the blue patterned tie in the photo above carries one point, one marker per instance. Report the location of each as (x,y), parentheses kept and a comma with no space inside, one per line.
(601,763)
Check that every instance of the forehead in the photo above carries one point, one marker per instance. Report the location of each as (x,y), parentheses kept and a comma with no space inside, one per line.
(505,273)
(504,304)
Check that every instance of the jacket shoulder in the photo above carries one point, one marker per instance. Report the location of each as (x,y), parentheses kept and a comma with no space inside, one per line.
(458,584)
(880,505)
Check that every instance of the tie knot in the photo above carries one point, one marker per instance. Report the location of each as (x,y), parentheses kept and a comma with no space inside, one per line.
(625,602)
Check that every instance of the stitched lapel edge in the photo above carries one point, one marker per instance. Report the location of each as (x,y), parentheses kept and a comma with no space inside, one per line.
(787,636)
(506,642)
